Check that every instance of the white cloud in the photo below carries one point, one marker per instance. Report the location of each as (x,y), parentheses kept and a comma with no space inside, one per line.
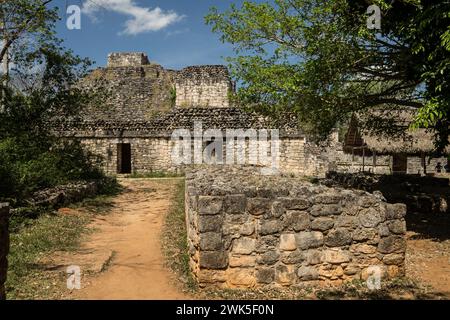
(142,19)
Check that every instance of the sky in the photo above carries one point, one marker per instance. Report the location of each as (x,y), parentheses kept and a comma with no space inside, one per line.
(172,32)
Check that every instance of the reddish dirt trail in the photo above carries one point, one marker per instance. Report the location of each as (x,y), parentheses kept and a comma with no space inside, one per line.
(125,247)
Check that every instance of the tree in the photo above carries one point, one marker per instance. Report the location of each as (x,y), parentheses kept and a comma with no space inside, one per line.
(319,59)
(41,92)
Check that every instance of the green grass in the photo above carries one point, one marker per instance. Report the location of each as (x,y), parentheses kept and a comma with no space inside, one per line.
(27,278)
(35,235)
(174,240)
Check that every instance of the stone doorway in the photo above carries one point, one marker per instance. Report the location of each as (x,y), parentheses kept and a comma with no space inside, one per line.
(123,158)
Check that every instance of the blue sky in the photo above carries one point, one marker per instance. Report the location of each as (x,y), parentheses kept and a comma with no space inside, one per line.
(174,35)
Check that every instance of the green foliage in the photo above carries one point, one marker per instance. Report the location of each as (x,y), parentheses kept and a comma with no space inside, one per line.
(39,92)
(319,59)
(47,234)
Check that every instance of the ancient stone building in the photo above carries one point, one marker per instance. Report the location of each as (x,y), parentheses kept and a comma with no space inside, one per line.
(133,130)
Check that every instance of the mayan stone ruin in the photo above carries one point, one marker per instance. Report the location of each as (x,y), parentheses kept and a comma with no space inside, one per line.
(244,228)
(247,230)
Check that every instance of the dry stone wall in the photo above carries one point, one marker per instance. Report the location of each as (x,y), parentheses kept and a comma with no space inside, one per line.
(247,230)
(4,246)
(203,86)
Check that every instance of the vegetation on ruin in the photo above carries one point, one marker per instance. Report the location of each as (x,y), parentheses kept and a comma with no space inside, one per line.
(38,91)
(320,60)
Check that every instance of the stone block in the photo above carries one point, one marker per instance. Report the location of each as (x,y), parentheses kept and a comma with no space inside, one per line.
(307,240)
(288,242)
(209,205)
(265,275)
(235,203)
(258,206)
(211,241)
(213,259)
(371,217)
(336,256)
(322,224)
(338,237)
(392,244)
(244,245)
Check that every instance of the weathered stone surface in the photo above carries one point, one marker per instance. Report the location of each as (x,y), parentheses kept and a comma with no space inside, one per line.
(394,258)
(345,221)
(269,257)
(371,217)
(209,205)
(244,245)
(258,206)
(241,277)
(285,274)
(397,226)
(287,242)
(242,261)
(395,211)
(208,223)
(364,234)
(213,259)
(211,241)
(336,256)
(297,220)
(328,198)
(307,273)
(247,229)
(322,224)
(293,257)
(338,237)
(212,276)
(314,257)
(307,240)
(325,210)
(392,244)
(278,209)
(295,203)
(352,269)
(265,275)
(270,227)
(235,203)
(363,248)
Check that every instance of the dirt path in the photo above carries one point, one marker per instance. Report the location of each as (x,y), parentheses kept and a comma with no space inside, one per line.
(122,258)
(428,260)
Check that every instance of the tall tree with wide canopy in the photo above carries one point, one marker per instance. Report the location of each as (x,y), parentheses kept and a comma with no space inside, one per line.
(319,59)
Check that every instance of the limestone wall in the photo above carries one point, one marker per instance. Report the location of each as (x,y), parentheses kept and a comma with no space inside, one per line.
(150,154)
(203,86)
(4,246)
(247,230)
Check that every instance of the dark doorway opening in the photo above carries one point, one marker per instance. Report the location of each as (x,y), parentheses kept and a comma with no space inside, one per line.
(399,163)
(123,158)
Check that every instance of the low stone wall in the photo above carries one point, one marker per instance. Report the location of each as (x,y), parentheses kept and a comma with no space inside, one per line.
(4,246)
(65,194)
(247,230)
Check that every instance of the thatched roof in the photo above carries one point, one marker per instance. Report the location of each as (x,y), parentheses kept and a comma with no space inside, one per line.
(401,140)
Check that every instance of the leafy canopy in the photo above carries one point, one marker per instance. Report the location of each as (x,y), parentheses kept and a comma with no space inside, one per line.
(319,59)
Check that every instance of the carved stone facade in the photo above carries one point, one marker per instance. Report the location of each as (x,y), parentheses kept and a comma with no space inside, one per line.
(247,230)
